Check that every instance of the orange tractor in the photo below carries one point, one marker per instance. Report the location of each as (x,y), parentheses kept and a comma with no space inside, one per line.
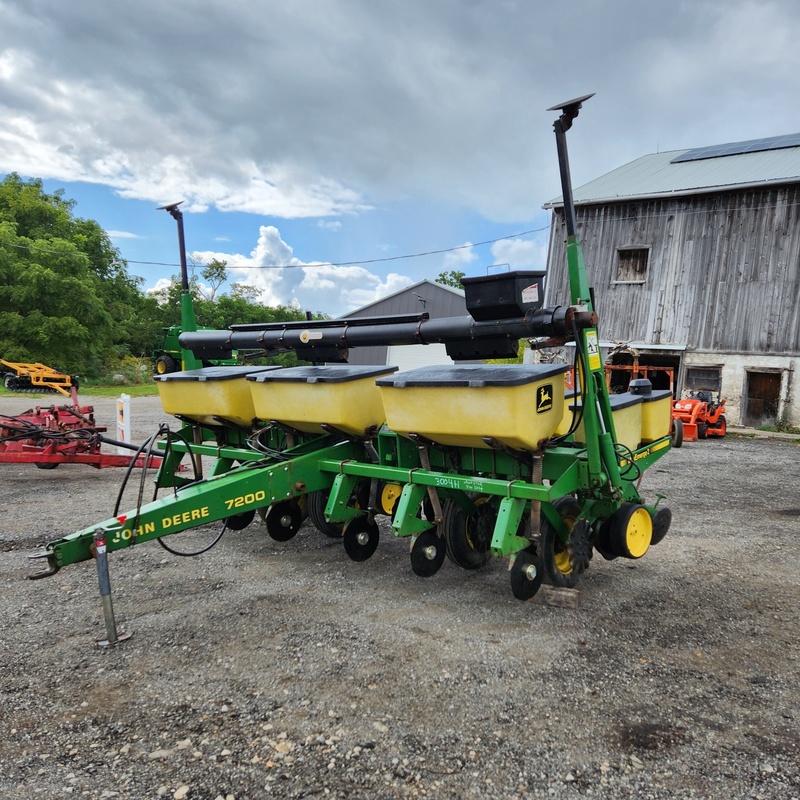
(698,416)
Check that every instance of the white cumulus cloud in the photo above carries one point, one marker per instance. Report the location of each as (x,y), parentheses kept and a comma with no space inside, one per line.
(282,279)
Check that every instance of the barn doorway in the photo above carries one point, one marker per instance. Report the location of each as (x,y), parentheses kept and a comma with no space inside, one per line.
(625,363)
(762,398)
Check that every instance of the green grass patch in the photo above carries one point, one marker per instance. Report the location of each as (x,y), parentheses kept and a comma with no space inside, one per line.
(140,390)
(779,428)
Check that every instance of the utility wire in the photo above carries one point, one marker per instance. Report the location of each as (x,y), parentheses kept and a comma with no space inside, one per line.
(651,216)
(299,266)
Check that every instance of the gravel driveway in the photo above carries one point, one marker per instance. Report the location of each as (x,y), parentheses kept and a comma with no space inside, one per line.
(266,669)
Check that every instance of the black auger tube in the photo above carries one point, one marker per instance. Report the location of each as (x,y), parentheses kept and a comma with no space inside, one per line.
(340,335)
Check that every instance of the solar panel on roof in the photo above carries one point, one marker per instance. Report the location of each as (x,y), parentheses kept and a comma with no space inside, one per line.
(737,148)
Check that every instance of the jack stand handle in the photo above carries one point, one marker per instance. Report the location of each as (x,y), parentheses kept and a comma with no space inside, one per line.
(101,556)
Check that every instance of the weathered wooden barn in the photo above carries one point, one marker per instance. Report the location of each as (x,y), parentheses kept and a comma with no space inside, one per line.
(436,299)
(694,258)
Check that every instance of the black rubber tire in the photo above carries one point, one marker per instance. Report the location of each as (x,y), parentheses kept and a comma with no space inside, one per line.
(662,519)
(166,364)
(721,428)
(9,381)
(315,506)
(463,549)
(555,556)
(46,464)
(702,431)
(619,527)
(677,433)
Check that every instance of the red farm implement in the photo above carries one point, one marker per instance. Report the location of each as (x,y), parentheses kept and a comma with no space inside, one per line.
(48,437)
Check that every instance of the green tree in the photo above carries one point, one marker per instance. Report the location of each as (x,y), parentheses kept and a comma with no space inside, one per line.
(214,273)
(65,296)
(451,277)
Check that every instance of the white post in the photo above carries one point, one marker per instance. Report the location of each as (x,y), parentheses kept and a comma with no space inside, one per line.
(123,422)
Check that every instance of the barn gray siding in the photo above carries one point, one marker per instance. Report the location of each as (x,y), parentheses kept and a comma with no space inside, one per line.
(723,274)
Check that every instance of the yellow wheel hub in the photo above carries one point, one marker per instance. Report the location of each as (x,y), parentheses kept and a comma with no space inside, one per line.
(389,495)
(639,532)
(562,562)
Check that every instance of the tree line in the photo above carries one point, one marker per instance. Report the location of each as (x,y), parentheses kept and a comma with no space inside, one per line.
(68,301)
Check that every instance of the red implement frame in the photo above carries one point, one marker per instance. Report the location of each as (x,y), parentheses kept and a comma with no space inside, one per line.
(57,435)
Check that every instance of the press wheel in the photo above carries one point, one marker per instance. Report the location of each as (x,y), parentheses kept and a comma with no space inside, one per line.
(316,513)
(555,553)
(427,554)
(526,574)
(468,537)
(662,519)
(283,520)
(360,538)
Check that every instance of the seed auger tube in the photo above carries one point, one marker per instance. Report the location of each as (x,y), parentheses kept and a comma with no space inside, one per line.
(470,462)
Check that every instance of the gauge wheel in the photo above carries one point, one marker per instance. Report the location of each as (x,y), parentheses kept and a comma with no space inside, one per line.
(316,513)
(283,520)
(427,554)
(677,433)
(468,537)
(360,538)
(166,364)
(630,530)
(9,381)
(526,574)
(46,464)
(556,564)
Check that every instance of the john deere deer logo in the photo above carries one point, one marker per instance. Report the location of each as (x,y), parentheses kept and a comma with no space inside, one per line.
(544,398)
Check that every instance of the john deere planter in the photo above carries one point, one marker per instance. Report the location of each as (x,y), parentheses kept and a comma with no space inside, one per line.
(468,461)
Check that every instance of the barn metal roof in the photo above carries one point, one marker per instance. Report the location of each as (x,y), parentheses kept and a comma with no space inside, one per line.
(658,175)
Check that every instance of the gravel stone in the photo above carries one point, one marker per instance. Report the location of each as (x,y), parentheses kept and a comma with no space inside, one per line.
(283,669)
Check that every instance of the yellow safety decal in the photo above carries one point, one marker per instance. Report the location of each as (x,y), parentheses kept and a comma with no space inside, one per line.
(593,351)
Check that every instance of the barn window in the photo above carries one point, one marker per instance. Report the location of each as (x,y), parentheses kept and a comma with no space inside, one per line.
(632,264)
(707,378)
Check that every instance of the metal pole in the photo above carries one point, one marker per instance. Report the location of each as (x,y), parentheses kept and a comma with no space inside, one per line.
(188,322)
(101,556)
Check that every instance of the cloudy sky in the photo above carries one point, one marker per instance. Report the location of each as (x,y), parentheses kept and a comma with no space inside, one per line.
(305,136)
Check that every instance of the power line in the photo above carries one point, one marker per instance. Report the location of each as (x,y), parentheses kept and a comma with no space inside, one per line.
(300,266)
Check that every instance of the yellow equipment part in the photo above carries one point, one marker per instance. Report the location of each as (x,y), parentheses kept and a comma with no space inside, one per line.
(518,405)
(626,409)
(343,397)
(40,376)
(656,415)
(210,395)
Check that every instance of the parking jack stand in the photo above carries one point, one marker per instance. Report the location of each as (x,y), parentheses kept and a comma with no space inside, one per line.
(101,556)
